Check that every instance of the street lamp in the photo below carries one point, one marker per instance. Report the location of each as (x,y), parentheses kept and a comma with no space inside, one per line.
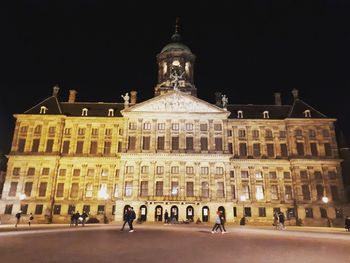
(325,201)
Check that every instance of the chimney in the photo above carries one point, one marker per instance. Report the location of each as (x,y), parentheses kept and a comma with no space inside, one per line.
(72,95)
(218,101)
(295,93)
(133,97)
(278,100)
(55,90)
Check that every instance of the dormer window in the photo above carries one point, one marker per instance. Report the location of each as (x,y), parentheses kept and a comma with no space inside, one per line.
(266,114)
(84,112)
(43,110)
(307,114)
(110,112)
(240,114)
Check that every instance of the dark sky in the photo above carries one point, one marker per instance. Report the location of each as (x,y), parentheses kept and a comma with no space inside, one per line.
(246,51)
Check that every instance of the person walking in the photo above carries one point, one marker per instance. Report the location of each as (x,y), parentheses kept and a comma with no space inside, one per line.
(275,220)
(132,217)
(76,218)
(347,223)
(166,217)
(72,219)
(222,222)
(281,220)
(18,217)
(217,223)
(84,215)
(30,219)
(125,218)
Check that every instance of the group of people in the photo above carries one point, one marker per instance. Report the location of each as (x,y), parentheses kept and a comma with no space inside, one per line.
(129,217)
(77,218)
(18,218)
(278,220)
(219,222)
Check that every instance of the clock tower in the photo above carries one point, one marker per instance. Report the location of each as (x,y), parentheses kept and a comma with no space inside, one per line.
(175,67)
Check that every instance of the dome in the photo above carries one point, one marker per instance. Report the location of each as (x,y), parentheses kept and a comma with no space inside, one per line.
(176,44)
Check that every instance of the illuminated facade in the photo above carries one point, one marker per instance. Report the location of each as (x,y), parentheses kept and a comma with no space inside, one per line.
(174,152)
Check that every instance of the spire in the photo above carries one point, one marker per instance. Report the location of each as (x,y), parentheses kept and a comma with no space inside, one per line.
(176,37)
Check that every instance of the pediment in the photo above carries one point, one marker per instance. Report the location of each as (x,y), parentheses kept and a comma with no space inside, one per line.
(175,102)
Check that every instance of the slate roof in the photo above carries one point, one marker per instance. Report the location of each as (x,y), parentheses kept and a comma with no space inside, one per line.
(52,105)
(95,109)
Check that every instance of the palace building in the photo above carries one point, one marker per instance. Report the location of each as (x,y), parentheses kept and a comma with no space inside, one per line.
(174,152)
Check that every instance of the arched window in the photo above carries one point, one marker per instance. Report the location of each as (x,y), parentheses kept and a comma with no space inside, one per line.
(43,110)
(240,114)
(84,112)
(37,129)
(266,114)
(110,112)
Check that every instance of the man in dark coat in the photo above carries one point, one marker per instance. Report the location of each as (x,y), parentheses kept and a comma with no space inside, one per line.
(125,218)
(347,223)
(18,217)
(131,216)
(166,217)
(281,219)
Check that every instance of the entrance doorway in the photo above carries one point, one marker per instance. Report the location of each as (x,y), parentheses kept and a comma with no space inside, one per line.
(205,214)
(174,213)
(158,214)
(189,213)
(143,213)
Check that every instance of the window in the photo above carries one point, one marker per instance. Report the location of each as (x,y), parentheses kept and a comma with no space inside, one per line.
(312,134)
(288,192)
(93,147)
(71,209)
(144,188)
(268,134)
(160,143)
(147,126)
(245,191)
(240,114)
(306,192)
(174,188)
(262,212)
(309,212)
(91,172)
(104,172)
(189,189)
(13,189)
(334,192)
(100,209)
(323,212)
(39,209)
(67,131)
(230,148)
(219,170)
(273,175)
(161,126)
(130,169)
(204,170)
(303,174)
(119,148)
(84,112)
(175,143)
(217,127)
(35,145)
(45,171)
(81,131)
(116,191)
(144,169)
(37,130)
(318,175)
(218,144)
(332,175)
(132,143)
(255,134)
(189,126)
(43,110)
(16,171)
(128,188)
(132,125)
(258,175)
(242,149)
(259,192)
(108,132)
(298,133)
(189,170)
(31,171)
(24,129)
(94,132)
(8,209)
(339,213)
(220,190)
(286,175)
(328,149)
(62,172)
(21,144)
(160,169)
(42,189)
(256,149)
(65,147)
(274,192)
(313,147)
(270,150)
(189,143)
(266,115)
(110,112)
(307,114)
(283,134)
(300,149)
(247,211)
(319,190)
(244,174)
(80,146)
(146,142)
(57,209)
(284,151)
(233,192)
(159,188)
(52,130)
(174,169)
(60,189)
(175,126)
(76,172)
(325,133)
(241,134)
(107,147)
(204,144)
(203,127)
(205,190)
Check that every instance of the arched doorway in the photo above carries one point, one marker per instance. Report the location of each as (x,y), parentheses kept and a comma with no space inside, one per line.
(205,214)
(222,211)
(174,213)
(158,214)
(189,213)
(143,213)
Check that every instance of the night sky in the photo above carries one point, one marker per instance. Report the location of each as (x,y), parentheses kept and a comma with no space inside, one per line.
(245,51)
